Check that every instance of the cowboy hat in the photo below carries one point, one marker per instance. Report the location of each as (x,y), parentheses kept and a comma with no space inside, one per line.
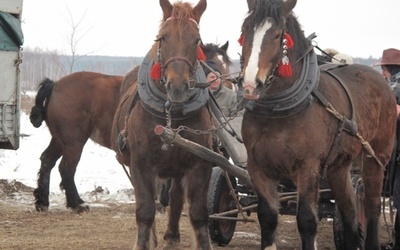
(389,57)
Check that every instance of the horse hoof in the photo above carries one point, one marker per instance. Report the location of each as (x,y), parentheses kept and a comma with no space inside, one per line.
(171,245)
(41,208)
(82,209)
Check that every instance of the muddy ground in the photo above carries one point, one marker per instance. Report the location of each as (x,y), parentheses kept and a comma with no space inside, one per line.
(111,225)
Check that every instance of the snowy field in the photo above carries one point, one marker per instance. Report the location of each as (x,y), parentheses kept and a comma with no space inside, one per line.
(97,167)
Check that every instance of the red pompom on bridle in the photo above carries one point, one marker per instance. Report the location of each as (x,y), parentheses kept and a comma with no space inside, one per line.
(289,40)
(200,54)
(155,72)
(241,39)
(284,68)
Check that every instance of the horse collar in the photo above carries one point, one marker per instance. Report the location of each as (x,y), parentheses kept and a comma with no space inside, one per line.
(292,100)
(154,101)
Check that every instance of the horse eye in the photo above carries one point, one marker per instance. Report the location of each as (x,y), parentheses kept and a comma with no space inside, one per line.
(160,39)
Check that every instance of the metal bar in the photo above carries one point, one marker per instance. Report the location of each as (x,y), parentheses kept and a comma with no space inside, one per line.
(216,217)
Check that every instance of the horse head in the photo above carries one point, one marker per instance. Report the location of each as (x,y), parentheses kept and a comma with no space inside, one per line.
(177,49)
(268,46)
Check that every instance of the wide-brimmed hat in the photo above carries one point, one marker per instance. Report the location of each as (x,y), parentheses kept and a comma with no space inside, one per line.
(389,57)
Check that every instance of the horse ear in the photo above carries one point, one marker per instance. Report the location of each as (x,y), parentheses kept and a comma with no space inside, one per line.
(289,5)
(199,9)
(166,7)
(251,4)
(225,46)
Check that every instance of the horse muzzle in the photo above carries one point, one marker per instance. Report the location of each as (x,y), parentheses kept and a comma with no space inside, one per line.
(178,92)
(251,91)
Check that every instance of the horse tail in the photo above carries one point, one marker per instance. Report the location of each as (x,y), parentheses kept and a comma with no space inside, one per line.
(38,112)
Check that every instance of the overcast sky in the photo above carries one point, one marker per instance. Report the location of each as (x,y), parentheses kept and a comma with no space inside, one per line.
(360,28)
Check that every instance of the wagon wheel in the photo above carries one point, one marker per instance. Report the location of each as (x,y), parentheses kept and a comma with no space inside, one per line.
(220,200)
(338,232)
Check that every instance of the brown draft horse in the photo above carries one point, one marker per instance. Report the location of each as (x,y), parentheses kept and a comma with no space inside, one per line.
(76,107)
(163,93)
(293,119)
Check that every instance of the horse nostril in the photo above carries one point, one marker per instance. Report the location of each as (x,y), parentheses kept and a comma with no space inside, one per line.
(247,91)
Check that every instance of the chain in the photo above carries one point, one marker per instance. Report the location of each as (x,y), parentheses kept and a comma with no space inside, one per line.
(210,131)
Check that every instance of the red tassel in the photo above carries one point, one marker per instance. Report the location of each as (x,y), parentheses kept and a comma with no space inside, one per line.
(200,54)
(284,70)
(155,72)
(289,40)
(241,39)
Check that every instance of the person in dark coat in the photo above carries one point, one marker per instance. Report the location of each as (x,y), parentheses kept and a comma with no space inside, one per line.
(390,65)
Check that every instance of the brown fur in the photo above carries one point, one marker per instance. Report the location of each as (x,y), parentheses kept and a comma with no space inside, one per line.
(296,147)
(76,107)
(190,174)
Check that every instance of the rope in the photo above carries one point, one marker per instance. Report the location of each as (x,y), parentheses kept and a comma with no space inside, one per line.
(364,143)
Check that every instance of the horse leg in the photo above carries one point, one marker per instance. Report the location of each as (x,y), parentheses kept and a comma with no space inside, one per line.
(372,177)
(267,205)
(176,200)
(144,185)
(67,168)
(307,197)
(339,180)
(48,159)
(197,188)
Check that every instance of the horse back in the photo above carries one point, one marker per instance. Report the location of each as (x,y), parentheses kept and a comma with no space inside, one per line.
(368,94)
(86,98)
(369,99)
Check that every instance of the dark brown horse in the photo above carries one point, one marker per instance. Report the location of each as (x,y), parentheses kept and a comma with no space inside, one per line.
(163,93)
(76,107)
(303,122)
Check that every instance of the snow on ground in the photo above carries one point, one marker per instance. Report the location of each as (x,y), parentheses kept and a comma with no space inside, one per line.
(97,167)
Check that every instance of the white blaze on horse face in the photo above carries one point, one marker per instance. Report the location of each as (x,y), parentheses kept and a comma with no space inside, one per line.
(221,58)
(252,66)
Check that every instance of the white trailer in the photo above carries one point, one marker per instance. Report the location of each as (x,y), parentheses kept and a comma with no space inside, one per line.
(11,40)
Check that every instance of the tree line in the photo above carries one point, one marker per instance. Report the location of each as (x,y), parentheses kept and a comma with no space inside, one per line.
(38,64)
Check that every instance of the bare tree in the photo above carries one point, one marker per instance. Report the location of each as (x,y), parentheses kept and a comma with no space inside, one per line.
(76,34)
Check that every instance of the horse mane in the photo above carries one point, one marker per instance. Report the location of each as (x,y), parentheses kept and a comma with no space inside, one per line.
(301,43)
(264,9)
(181,12)
(274,9)
(211,49)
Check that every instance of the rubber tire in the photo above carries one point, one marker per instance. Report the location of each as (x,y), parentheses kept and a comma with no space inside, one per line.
(220,200)
(338,232)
